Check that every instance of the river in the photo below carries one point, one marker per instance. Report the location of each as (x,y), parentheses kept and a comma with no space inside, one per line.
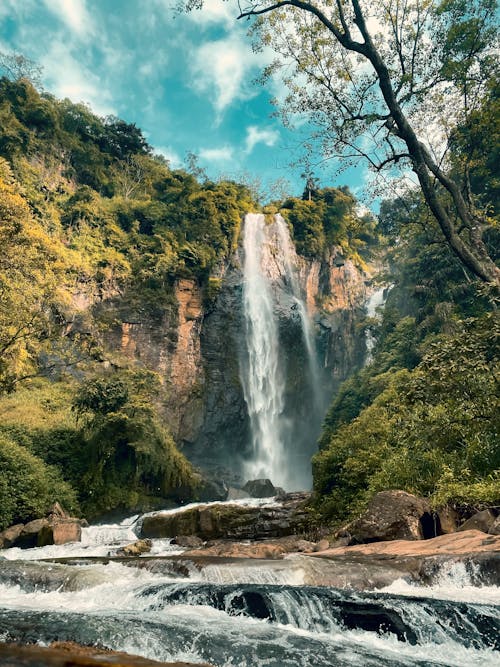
(239,613)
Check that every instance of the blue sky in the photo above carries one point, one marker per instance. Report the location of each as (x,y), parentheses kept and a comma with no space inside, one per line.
(186,81)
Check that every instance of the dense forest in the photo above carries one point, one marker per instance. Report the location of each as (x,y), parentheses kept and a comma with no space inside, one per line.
(87,207)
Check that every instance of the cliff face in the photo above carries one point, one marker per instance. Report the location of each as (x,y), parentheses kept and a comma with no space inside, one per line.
(196,345)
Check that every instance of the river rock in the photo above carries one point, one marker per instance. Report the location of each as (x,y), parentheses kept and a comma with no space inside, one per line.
(212,490)
(9,536)
(63,654)
(235,522)
(60,531)
(495,527)
(392,515)
(237,494)
(135,548)
(321,545)
(260,488)
(189,541)
(28,537)
(480,521)
(448,520)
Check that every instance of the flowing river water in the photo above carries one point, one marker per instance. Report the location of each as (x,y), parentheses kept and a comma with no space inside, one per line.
(239,612)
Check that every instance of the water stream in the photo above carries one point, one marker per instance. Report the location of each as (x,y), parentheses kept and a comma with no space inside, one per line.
(248,613)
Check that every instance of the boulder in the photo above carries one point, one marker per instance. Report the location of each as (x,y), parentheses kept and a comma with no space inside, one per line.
(260,488)
(236,494)
(212,490)
(322,545)
(448,520)
(29,535)
(392,515)
(189,541)
(60,531)
(305,546)
(234,522)
(9,536)
(495,527)
(480,521)
(135,548)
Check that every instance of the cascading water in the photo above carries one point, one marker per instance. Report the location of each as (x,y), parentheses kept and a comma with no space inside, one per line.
(263,382)
(374,303)
(271,284)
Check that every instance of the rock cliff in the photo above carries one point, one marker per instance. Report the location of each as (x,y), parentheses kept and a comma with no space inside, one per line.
(194,340)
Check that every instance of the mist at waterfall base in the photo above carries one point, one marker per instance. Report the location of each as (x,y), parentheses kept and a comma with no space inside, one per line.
(241,613)
(280,374)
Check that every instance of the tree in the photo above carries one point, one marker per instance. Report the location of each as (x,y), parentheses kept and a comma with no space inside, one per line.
(15,66)
(378,79)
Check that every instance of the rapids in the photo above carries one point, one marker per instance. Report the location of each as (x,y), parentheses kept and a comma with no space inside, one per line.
(252,614)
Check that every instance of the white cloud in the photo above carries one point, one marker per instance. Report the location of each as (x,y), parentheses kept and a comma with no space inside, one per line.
(223,154)
(74,14)
(66,77)
(214,11)
(222,70)
(256,135)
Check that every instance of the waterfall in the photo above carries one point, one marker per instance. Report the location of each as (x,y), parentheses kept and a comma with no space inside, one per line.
(374,302)
(263,383)
(269,263)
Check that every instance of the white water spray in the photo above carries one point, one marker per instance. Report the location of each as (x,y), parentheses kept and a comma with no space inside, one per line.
(375,301)
(263,383)
(269,262)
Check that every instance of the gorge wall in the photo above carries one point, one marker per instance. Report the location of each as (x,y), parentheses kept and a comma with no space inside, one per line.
(196,343)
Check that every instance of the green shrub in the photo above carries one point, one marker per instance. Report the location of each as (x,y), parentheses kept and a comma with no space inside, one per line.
(28,486)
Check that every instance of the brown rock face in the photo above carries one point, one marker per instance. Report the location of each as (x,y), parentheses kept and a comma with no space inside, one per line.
(392,515)
(448,520)
(231,521)
(457,544)
(69,654)
(60,531)
(480,521)
(9,536)
(136,548)
(30,534)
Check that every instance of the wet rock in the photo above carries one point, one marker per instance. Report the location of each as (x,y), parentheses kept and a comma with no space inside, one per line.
(481,521)
(321,545)
(135,548)
(235,522)
(304,546)
(448,520)
(495,527)
(237,494)
(260,488)
(212,490)
(64,654)
(9,536)
(29,535)
(392,515)
(60,531)
(189,541)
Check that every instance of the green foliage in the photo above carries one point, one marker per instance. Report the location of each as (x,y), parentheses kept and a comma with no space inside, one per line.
(432,431)
(28,486)
(326,217)
(130,454)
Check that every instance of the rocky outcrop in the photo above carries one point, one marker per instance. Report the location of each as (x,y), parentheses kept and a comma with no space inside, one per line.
(193,338)
(392,515)
(57,528)
(456,544)
(260,488)
(136,548)
(63,654)
(233,522)
(480,521)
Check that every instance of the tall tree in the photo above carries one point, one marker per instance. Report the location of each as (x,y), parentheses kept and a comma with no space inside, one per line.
(387,80)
